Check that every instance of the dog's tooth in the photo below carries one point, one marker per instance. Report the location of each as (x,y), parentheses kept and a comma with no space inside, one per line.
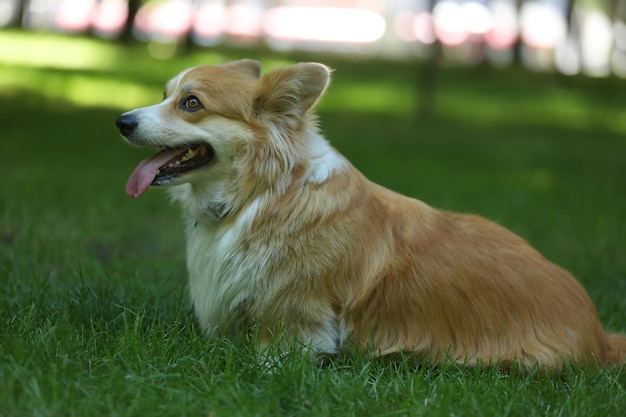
(190,154)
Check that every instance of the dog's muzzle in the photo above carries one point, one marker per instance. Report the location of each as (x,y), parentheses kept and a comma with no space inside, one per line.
(126,123)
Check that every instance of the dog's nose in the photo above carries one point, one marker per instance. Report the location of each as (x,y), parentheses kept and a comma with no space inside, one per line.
(126,123)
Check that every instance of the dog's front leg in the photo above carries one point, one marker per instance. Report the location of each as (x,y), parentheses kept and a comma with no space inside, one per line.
(317,340)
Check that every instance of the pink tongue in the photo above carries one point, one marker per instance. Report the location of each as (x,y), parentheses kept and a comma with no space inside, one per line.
(144,174)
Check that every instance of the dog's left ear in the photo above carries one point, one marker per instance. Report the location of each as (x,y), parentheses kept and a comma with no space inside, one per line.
(292,90)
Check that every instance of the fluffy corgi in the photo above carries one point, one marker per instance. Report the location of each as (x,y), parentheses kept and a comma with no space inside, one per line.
(283,232)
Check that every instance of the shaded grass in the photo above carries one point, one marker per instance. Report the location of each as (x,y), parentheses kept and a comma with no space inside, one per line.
(123,357)
(93,303)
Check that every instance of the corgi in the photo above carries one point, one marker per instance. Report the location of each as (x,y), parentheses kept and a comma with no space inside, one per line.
(283,233)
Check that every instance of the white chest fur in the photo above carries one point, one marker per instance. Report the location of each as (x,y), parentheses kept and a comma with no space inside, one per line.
(232,276)
(222,275)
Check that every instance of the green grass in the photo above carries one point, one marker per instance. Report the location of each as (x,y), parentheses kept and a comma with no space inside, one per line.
(93,303)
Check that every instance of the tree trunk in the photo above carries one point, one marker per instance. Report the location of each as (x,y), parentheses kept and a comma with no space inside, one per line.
(127,33)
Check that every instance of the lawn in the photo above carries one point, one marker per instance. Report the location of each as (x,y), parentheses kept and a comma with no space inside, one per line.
(93,300)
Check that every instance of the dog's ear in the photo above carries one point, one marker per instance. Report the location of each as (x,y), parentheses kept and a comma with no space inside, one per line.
(292,90)
(249,66)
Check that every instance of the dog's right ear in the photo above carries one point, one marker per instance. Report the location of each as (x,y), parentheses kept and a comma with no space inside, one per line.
(291,91)
(250,66)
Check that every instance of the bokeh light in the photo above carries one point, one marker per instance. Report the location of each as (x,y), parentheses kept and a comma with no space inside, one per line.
(570,37)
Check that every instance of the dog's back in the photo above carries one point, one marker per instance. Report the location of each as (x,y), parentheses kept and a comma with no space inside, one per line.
(462,286)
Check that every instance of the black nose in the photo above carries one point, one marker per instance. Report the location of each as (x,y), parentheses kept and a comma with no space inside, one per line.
(126,123)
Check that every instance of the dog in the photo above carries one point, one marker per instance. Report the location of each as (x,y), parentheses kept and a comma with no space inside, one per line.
(285,234)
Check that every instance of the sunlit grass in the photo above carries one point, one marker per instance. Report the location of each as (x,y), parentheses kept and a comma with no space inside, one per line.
(82,89)
(552,106)
(44,50)
(94,72)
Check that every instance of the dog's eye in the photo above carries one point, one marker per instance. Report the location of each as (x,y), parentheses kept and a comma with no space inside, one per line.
(192,103)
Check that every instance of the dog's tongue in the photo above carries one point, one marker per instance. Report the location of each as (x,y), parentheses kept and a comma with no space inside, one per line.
(144,174)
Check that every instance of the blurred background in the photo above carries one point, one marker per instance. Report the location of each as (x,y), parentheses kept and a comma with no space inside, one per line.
(568,36)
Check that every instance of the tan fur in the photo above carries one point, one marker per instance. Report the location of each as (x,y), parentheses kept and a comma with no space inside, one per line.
(283,231)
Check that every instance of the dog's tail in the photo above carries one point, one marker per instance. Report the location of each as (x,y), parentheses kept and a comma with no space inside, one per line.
(616,351)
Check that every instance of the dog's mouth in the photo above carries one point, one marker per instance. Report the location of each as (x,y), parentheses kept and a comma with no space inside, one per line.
(167,165)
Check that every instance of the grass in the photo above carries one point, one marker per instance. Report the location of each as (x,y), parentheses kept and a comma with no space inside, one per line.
(93,304)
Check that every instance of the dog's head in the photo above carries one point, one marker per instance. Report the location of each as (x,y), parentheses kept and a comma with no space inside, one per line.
(225,129)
